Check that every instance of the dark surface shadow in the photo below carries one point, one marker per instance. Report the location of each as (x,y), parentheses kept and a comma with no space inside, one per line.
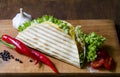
(60,75)
(117,26)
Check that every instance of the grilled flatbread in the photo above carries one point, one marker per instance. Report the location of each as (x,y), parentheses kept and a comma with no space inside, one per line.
(58,41)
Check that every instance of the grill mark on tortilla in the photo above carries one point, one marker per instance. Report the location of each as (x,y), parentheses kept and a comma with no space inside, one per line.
(52,41)
(55,33)
(35,38)
(54,38)
(55,45)
(52,49)
(20,38)
(58,31)
(73,55)
(53,54)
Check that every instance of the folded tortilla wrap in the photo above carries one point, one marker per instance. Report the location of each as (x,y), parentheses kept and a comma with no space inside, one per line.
(48,38)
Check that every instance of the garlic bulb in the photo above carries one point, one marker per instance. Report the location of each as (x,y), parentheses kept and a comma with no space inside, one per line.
(20,18)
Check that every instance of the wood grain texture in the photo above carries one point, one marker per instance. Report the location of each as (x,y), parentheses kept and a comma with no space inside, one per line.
(104,27)
(63,9)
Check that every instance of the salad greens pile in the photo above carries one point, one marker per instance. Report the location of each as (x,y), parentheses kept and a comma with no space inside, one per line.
(92,43)
(61,24)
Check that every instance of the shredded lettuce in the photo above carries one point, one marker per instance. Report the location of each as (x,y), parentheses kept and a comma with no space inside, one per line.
(92,43)
(61,24)
(80,44)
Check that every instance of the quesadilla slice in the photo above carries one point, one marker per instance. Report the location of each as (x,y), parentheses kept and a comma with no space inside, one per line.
(54,37)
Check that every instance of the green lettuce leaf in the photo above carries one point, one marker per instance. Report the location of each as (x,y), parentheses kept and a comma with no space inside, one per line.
(92,43)
(61,24)
(80,44)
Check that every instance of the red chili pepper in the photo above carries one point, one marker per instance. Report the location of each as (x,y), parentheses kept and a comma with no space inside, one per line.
(45,60)
(19,46)
(23,49)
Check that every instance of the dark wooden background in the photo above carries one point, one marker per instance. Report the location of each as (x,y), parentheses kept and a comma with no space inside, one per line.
(64,9)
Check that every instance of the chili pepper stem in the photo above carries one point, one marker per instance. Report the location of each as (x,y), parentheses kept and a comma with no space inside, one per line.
(9,45)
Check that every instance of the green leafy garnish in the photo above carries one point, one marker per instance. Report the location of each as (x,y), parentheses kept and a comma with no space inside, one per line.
(80,44)
(61,24)
(92,42)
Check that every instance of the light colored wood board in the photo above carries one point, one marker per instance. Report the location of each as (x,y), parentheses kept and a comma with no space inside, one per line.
(103,27)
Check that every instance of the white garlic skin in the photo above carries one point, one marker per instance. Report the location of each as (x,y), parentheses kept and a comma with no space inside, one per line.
(20,18)
(92,70)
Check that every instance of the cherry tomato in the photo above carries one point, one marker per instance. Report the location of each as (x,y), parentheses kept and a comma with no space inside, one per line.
(107,63)
(97,63)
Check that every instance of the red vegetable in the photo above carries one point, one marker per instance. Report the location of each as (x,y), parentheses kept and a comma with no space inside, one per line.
(103,58)
(23,49)
(107,63)
(97,63)
(44,60)
(19,46)
(107,59)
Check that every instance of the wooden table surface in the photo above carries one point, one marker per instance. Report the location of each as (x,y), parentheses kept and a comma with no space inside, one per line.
(103,27)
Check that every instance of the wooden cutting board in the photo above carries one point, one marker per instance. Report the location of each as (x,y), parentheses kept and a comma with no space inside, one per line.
(103,27)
